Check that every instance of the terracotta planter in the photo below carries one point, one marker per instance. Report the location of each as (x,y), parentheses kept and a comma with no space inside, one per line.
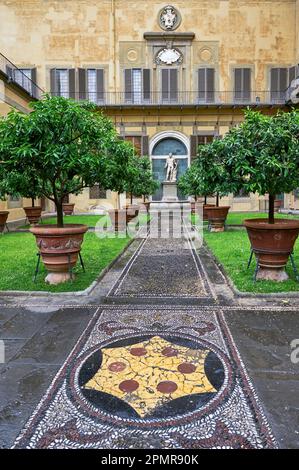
(3,219)
(33,214)
(205,210)
(272,245)
(68,208)
(217,217)
(277,204)
(146,206)
(118,219)
(132,211)
(59,248)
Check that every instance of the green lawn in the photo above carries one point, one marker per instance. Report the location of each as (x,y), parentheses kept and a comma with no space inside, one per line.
(232,249)
(18,260)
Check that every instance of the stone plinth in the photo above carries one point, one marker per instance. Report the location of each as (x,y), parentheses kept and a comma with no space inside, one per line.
(170,191)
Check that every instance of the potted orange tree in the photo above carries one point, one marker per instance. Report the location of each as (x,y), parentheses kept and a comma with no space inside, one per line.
(262,154)
(215,179)
(65,145)
(192,184)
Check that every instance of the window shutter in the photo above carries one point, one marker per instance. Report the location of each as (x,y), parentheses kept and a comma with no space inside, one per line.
(173,86)
(279,83)
(283,80)
(33,78)
(193,146)
(242,84)
(72,84)
(53,82)
(246,84)
(146,74)
(292,74)
(128,85)
(100,85)
(210,73)
(82,79)
(165,84)
(238,84)
(145,145)
(201,84)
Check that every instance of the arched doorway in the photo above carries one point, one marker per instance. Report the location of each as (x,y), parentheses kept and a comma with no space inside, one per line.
(160,147)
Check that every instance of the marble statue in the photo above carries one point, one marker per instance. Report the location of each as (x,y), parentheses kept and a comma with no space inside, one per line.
(171,166)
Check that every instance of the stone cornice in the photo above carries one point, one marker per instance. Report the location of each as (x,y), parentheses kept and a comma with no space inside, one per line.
(168,36)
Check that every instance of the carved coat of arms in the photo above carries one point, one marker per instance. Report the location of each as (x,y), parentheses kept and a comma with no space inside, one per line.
(169,18)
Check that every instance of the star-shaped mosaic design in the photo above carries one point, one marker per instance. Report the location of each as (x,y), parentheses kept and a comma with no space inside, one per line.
(150,373)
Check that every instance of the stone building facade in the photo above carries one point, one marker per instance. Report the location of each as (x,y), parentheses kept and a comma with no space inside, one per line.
(170,76)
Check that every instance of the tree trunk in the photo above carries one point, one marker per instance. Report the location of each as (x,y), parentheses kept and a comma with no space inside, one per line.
(59,210)
(206,199)
(131,198)
(217,200)
(32,201)
(271,209)
(195,197)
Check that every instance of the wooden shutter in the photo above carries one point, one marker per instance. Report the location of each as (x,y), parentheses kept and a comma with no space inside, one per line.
(146,78)
(292,74)
(128,85)
(145,145)
(173,85)
(82,80)
(10,73)
(72,84)
(278,83)
(242,84)
(165,84)
(33,84)
(206,85)
(193,146)
(53,82)
(100,85)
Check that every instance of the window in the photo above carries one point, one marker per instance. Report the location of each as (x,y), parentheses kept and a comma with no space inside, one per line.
(242,84)
(137,85)
(280,79)
(96,192)
(14,202)
(206,85)
(63,82)
(91,84)
(169,85)
(23,77)
(136,141)
(196,140)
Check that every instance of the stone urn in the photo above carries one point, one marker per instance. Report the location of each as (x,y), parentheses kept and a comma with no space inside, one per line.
(3,220)
(33,214)
(68,208)
(272,245)
(59,248)
(217,217)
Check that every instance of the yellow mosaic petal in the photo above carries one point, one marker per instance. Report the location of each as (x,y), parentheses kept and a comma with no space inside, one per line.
(150,373)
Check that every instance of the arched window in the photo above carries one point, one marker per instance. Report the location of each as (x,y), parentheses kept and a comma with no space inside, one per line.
(169,145)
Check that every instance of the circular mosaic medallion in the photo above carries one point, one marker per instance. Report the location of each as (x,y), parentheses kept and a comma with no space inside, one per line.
(148,379)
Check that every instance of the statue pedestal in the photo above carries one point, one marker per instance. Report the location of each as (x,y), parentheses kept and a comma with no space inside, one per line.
(170,191)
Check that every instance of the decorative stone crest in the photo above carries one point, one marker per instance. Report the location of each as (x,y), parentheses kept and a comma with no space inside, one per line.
(169,18)
(169,56)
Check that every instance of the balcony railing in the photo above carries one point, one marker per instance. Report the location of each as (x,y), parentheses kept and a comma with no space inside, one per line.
(15,75)
(184,98)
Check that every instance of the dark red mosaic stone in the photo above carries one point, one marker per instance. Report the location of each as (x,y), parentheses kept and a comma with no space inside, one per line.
(167,387)
(138,351)
(117,366)
(187,368)
(169,352)
(128,386)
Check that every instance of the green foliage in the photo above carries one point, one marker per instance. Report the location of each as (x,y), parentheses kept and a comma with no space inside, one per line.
(63,146)
(139,181)
(263,153)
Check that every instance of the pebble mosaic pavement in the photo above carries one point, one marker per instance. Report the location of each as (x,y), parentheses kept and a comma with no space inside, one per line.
(153,376)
